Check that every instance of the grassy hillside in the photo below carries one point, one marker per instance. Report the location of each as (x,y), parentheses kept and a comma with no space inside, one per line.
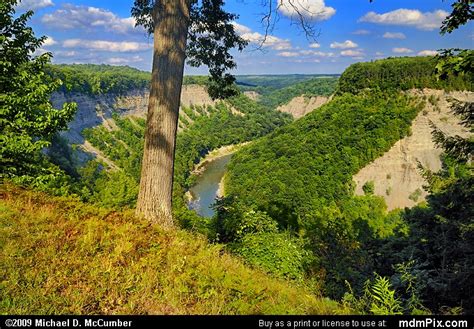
(60,256)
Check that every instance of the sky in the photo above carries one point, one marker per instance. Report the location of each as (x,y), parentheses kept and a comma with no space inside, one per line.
(349,31)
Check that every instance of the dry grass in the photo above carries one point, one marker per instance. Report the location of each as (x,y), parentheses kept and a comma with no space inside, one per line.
(60,256)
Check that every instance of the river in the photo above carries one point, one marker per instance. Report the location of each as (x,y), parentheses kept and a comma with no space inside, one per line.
(204,191)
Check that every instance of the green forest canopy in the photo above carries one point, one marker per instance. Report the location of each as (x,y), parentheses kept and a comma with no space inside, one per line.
(401,73)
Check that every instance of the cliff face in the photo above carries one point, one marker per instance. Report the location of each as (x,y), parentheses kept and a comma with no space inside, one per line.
(395,174)
(301,105)
(95,110)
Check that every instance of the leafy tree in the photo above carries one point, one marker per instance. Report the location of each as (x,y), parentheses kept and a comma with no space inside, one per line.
(369,188)
(440,239)
(27,119)
(463,11)
(203,32)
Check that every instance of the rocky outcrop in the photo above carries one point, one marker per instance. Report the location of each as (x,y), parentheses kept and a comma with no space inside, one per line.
(253,95)
(396,175)
(302,105)
(95,110)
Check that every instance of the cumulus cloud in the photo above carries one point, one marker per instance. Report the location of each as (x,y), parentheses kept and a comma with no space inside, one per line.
(101,45)
(288,54)
(378,53)
(408,17)
(352,53)
(315,10)
(49,42)
(314,45)
(316,53)
(427,53)
(241,29)
(307,60)
(269,41)
(344,45)
(83,17)
(34,4)
(394,35)
(123,60)
(402,50)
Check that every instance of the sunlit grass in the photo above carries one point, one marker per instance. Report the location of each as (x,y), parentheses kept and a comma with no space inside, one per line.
(61,256)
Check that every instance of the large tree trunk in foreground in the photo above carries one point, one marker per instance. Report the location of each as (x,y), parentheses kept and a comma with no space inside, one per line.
(156,184)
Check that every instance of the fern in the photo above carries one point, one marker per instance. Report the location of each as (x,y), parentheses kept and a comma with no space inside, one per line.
(384,301)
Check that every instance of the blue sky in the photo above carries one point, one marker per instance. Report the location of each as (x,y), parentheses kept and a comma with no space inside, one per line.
(86,31)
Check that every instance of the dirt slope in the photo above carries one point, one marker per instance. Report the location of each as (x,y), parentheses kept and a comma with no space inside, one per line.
(302,105)
(395,174)
(95,110)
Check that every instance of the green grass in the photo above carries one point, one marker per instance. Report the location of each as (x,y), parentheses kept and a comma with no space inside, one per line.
(60,256)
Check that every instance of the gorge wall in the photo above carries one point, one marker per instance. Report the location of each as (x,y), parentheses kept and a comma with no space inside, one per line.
(396,175)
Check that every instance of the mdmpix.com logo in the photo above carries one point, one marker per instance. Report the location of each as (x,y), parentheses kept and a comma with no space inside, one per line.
(432,323)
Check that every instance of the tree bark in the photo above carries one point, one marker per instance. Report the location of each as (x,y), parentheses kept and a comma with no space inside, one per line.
(171,19)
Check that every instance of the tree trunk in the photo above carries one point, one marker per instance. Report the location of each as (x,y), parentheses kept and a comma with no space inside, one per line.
(156,184)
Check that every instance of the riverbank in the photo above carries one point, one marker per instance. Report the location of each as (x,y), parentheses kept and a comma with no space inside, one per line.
(214,155)
(209,180)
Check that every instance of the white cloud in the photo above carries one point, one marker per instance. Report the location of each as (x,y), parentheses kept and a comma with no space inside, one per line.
(316,53)
(402,50)
(307,60)
(344,45)
(123,60)
(288,54)
(269,41)
(378,53)
(315,10)
(394,35)
(61,53)
(241,29)
(314,45)
(82,17)
(361,32)
(407,17)
(352,53)
(101,45)
(428,53)
(34,4)
(49,42)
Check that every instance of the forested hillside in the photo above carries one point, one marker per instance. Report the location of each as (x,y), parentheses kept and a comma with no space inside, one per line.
(120,140)
(101,168)
(298,181)
(401,73)
(102,79)
(276,94)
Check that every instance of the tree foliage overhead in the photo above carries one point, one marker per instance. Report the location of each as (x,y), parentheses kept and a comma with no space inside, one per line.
(211,36)
(27,119)
(463,12)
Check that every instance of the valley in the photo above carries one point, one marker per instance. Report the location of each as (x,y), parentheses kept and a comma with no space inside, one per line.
(288,176)
(198,158)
